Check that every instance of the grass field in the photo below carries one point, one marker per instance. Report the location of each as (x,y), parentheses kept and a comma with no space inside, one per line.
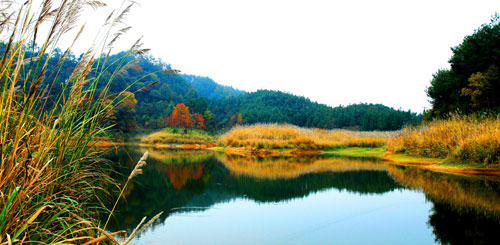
(458,138)
(278,136)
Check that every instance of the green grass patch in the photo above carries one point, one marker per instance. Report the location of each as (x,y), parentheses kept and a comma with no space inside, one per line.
(357,151)
(404,158)
(216,148)
(466,164)
(179,136)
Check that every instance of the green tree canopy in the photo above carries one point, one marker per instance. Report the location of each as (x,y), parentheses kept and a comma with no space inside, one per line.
(473,82)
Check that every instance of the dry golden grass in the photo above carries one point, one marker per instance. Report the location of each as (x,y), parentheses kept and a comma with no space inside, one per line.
(461,138)
(291,167)
(276,136)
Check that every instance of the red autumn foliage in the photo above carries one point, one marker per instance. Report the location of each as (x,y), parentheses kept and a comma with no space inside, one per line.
(180,174)
(180,117)
(199,121)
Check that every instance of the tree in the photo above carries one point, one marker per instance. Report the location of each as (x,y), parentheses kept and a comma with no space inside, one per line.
(472,84)
(163,122)
(197,105)
(479,87)
(236,119)
(180,117)
(209,120)
(199,121)
(124,113)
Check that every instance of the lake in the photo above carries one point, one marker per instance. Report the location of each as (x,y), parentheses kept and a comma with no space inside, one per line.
(212,198)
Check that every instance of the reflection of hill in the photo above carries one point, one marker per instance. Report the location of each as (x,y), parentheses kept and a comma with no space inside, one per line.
(264,190)
(188,185)
(466,210)
(292,167)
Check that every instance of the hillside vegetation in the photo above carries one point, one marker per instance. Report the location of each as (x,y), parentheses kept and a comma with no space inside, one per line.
(155,89)
(266,106)
(208,88)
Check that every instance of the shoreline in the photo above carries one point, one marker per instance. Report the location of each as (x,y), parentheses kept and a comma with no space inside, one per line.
(433,164)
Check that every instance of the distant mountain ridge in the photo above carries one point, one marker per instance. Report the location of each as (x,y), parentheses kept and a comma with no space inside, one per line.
(207,87)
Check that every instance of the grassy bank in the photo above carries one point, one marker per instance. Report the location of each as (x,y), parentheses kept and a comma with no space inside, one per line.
(178,136)
(278,136)
(458,138)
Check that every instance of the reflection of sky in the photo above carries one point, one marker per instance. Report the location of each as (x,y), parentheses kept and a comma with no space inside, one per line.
(331,216)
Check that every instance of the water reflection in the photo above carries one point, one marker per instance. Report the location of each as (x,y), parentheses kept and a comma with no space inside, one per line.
(288,167)
(465,210)
(182,181)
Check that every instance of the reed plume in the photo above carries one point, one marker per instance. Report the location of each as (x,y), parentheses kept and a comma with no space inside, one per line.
(52,184)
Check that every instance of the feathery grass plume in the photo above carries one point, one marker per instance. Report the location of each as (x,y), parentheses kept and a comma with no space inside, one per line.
(52,185)
(136,171)
(140,228)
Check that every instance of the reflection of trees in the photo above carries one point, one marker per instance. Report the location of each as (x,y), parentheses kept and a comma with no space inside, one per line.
(466,209)
(292,167)
(452,226)
(458,192)
(265,190)
(180,174)
(184,185)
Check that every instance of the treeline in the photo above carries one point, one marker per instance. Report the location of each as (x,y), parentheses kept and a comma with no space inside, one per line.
(472,84)
(265,106)
(154,90)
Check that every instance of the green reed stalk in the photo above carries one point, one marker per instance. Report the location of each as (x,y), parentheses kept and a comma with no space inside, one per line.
(51,181)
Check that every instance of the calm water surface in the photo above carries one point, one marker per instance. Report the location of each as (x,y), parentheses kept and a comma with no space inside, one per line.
(212,198)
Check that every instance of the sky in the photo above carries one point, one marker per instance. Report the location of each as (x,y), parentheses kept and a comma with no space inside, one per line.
(333,52)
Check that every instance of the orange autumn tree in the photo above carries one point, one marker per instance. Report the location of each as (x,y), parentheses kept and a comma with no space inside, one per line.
(180,117)
(199,121)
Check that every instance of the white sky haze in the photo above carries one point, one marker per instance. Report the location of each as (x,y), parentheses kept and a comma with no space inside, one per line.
(333,52)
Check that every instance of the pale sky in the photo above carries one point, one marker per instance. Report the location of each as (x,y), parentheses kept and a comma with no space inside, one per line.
(333,52)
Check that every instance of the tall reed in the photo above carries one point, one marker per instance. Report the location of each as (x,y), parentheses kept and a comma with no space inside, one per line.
(459,137)
(272,136)
(51,182)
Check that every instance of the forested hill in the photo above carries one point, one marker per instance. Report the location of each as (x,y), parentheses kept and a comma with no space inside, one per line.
(206,87)
(154,92)
(265,106)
